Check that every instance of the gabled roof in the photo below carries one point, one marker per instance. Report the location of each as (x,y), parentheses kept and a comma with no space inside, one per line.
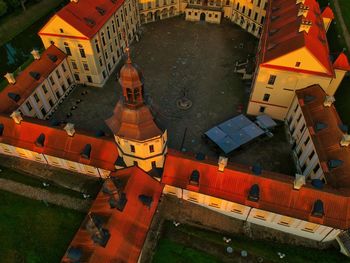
(342,62)
(57,143)
(276,190)
(327,140)
(26,83)
(128,228)
(89,16)
(281,34)
(328,13)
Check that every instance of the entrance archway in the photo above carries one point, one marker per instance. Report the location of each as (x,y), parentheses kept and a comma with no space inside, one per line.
(202,17)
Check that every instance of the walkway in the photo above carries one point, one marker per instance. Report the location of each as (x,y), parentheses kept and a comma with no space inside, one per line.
(342,23)
(44,195)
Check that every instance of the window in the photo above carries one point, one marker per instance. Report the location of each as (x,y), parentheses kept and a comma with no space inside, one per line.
(97,46)
(303,168)
(106,55)
(237,6)
(272,79)
(262,19)
(43,111)
(297,64)
(262,109)
(86,66)
(76,76)
(132,148)
(209,15)
(316,168)
(311,154)
(58,74)
(89,79)
(100,60)
(154,165)
(266,97)
(249,12)
(256,16)
(61,30)
(82,52)
(68,52)
(243,9)
(58,95)
(74,65)
(51,102)
(302,128)
(52,81)
(216,16)
(300,153)
(108,33)
(151,148)
(104,74)
(296,107)
(299,117)
(113,27)
(29,106)
(259,3)
(307,141)
(44,88)
(111,48)
(64,68)
(36,97)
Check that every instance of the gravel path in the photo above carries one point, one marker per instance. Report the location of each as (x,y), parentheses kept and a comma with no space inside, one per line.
(44,195)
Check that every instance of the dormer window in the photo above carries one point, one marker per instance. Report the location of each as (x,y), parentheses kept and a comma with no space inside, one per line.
(194,178)
(318,209)
(254,193)
(297,64)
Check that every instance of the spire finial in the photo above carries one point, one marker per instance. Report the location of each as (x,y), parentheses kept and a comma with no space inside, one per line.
(127,50)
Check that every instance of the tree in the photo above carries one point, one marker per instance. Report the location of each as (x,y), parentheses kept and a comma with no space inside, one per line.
(3,8)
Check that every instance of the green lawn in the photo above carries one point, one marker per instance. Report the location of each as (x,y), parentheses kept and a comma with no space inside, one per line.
(171,252)
(260,248)
(32,232)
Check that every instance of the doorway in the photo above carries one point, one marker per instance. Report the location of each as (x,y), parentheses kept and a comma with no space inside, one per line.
(202,17)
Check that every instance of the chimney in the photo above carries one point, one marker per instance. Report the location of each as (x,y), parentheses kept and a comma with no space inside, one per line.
(305,25)
(222,163)
(328,101)
(10,78)
(36,54)
(300,2)
(69,128)
(299,181)
(345,141)
(17,117)
(303,10)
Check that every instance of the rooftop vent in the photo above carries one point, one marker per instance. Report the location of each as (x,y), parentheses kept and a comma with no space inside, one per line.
(254,193)
(309,98)
(345,141)
(100,10)
(86,152)
(332,164)
(74,254)
(222,163)
(194,178)
(118,201)
(14,96)
(69,128)
(317,183)
(299,181)
(146,200)
(1,129)
(40,140)
(344,128)
(319,126)
(17,117)
(305,26)
(35,75)
(10,78)
(90,22)
(328,101)
(36,54)
(256,169)
(318,210)
(53,58)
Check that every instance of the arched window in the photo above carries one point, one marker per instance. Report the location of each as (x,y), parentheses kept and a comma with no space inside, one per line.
(129,95)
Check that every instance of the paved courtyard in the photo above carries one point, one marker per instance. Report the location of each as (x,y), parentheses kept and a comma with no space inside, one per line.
(176,55)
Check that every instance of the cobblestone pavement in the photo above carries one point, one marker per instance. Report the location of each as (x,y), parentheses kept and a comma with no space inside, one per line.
(177,55)
(45,196)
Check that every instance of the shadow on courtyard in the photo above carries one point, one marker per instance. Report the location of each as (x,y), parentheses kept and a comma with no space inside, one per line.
(176,55)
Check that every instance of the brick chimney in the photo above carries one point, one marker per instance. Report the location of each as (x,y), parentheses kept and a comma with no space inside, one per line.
(299,181)
(345,141)
(69,128)
(17,117)
(36,54)
(222,163)
(10,78)
(305,25)
(328,101)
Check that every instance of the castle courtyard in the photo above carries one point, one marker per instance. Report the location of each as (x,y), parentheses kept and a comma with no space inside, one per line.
(194,58)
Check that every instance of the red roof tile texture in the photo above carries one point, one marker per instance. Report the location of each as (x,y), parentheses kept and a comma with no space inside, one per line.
(281,34)
(57,143)
(276,190)
(128,228)
(327,140)
(25,84)
(88,16)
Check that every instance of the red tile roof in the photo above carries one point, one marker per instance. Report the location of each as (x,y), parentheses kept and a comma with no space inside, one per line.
(326,141)
(342,62)
(88,16)
(328,13)
(128,228)
(281,33)
(25,83)
(57,142)
(276,190)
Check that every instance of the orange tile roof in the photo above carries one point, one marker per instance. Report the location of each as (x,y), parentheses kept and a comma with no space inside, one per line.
(281,34)
(276,190)
(88,16)
(57,143)
(342,62)
(25,83)
(128,228)
(326,141)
